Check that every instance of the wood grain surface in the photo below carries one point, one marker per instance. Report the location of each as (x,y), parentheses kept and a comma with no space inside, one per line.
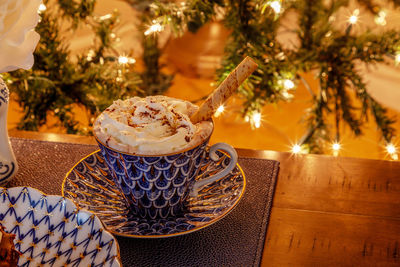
(327,211)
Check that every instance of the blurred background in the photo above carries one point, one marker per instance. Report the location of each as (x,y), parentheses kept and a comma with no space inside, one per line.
(119,47)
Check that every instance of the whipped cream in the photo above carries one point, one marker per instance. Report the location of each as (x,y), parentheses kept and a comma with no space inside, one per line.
(153,125)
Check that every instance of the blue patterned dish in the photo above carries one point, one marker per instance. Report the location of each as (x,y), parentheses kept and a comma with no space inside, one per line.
(91,187)
(52,231)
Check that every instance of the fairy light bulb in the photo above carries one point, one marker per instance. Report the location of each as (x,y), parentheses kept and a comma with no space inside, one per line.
(287,95)
(156,27)
(391,149)
(106,17)
(256,119)
(122,60)
(335,148)
(41,8)
(380,18)
(219,110)
(276,6)
(354,17)
(288,84)
(397,58)
(131,60)
(90,55)
(296,149)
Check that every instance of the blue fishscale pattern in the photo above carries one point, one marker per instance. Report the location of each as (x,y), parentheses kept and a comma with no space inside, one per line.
(139,177)
(212,203)
(52,231)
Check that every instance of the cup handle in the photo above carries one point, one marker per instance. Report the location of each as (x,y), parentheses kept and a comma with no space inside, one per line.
(214,156)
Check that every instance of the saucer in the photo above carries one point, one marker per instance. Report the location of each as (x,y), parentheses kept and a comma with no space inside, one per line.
(51,230)
(90,186)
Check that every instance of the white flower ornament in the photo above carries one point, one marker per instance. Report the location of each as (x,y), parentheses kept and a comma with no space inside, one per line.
(18,19)
(18,40)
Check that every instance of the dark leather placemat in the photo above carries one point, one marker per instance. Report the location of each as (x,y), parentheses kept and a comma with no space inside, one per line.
(236,240)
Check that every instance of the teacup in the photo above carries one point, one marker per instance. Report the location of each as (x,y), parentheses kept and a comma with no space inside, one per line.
(158,186)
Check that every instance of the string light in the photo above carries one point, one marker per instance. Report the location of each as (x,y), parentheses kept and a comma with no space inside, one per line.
(255,119)
(392,151)
(296,149)
(90,55)
(354,17)
(288,84)
(276,6)
(219,110)
(156,27)
(106,17)
(122,60)
(41,8)
(287,95)
(397,58)
(336,146)
(380,18)
(126,60)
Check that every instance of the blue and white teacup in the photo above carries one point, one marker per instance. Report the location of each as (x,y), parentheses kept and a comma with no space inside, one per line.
(158,186)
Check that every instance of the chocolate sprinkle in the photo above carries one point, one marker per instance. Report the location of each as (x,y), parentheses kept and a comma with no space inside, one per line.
(156,111)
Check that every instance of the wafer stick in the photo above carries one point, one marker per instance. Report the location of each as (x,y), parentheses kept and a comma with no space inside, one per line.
(225,90)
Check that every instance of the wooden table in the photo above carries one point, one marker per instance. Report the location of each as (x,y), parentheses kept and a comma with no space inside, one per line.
(326,211)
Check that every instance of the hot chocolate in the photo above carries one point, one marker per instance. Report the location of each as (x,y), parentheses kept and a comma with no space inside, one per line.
(153,125)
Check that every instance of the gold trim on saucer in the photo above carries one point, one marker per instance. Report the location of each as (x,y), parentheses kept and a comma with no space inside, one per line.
(196,228)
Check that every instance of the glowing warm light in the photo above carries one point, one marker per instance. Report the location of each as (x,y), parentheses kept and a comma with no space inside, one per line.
(336,146)
(380,19)
(106,17)
(397,58)
(90,55)
(354,17)
(288,84)
(256,119)
(126,60)
(156,27)
(287,95)
(131,60)
(391,149)
(276,6)
(296,149)
(122,60)
(219,110)
(42,8)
